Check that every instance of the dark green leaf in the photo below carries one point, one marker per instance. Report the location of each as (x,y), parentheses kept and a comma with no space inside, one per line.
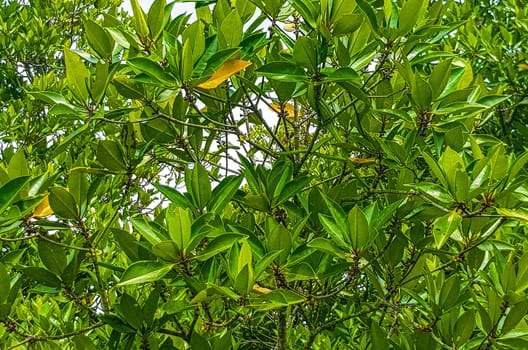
(53,256)
(63,203)
(10,190)
(42,276)
(5,284)
(110,156)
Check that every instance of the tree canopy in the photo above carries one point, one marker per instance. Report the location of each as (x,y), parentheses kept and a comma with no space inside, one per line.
(263,174)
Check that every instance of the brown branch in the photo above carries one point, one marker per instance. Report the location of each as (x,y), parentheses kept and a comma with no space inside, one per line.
(35,338)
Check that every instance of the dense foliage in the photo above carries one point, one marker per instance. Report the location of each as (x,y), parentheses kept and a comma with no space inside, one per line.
(265,174)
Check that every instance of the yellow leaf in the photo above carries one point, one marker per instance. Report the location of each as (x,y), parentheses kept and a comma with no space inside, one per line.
(260,290)
(361,160)
(226,70)
(288,108)
(523,66)
(43,209)
(290,27)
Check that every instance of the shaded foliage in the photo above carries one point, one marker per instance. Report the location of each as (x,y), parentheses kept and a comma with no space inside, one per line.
(272,175)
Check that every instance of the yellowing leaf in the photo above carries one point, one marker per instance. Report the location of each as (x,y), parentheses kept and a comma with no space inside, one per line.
(226,70)
(361,160)
(260,290)
(43,209)
(523,66)
(288,108)
(290,27)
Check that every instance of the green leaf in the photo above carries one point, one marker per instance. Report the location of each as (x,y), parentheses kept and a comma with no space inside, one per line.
(409,15)
(9,191)
(436,192)
(186,66)
(179,226)
(379,336)
(53,256)
(433,166)
(5,284)
(492,100)
(78,187)
(149,230)
(231,30)
(516,313)
(143,272)
(77,74)
(173,195)
(127,88)
(292,188)
(223,193)
(83,342)
(335,230)
(358,228)
(140,22)
(127,243)
(157,131)
(256,201)
(422,93)
(56,99)
(444,227)
(440,76)
(130,311)
(518,165)
(367,9)
(219,58)
(167,250)
(98,39)
(218,245)
(327,246)
(519,214)
(467,76)
(305,53)
(18,165)
(43,276)
(450,292)
(265,261)
(199,343)
(200,185)
(307,9)
(280,239)
(156,15)
(152,69)
(117,325)
(194,34)
(150,307)
(277,299)
(245,256)
(347,24)
(342,74)
(110,156)
(63,203)
(283,71)
(461,185)
(103,75)
(244,280)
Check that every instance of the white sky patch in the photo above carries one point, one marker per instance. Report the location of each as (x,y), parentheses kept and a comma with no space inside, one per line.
(179,7)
